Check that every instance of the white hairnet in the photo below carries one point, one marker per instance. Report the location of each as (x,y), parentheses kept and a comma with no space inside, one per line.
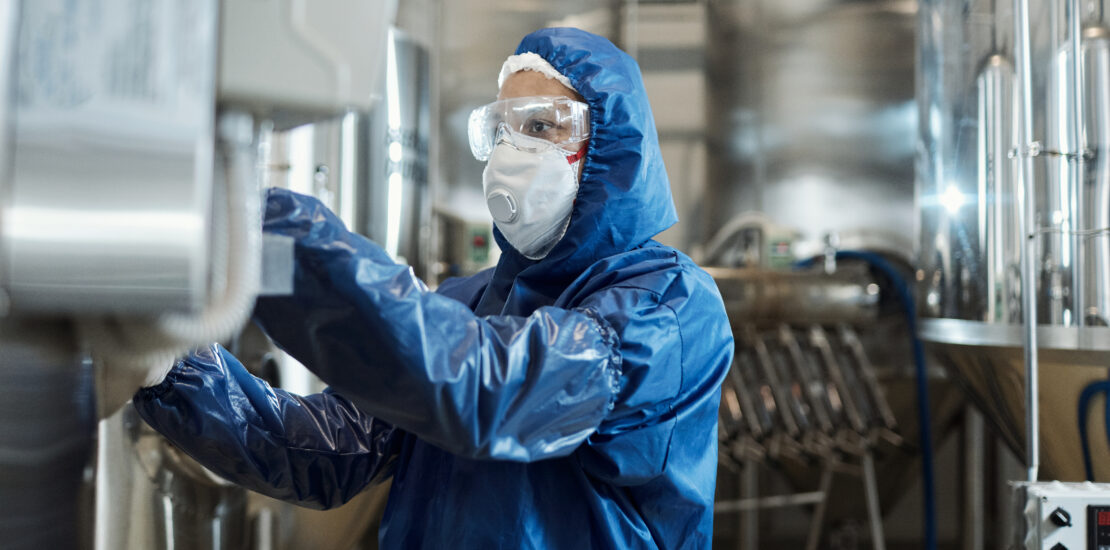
(529,61)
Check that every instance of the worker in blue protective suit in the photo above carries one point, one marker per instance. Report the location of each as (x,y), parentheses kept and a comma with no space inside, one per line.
(566,398)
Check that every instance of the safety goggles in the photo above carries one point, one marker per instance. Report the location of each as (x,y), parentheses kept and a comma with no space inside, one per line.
(560,121)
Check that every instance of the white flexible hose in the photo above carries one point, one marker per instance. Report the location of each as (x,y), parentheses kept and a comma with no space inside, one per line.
(229,310)
(742,221)
(138,352)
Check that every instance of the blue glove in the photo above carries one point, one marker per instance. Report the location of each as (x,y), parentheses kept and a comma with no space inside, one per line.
(318,451)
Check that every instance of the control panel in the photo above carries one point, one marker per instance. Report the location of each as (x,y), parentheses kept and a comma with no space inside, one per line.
(1098,527)
(1063,516)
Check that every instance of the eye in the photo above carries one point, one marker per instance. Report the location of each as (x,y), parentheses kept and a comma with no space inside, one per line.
(537,127)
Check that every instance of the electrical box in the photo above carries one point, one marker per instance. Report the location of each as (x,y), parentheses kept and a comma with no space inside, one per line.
(1063,516)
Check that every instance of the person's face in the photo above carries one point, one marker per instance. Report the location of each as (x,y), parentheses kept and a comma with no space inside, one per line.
(532,83)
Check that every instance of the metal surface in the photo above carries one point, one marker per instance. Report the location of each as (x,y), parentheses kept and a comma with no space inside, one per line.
(1028,254)
(1057,155)
(994,378)
(974,486)
(989,360)
(874,515)
(799,400)
(370,168)
(1000,216)
(749,519)
(150,496)
(47,424)
(1096,185)
(771,297)
(294,61)
(9,21)
(105,209)
(1078,124)
(1091,342)
(807,393)
(108,208)
(778,501)
(1013,205)
(814,536)
(810,105)
(802,396)
(399,132)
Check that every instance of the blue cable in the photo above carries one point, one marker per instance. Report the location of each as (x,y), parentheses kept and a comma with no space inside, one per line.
(902,290)
(1089,391)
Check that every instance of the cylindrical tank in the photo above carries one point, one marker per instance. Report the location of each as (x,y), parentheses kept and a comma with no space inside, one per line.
(973,173)
(370,168)
(398,140)
(811,117)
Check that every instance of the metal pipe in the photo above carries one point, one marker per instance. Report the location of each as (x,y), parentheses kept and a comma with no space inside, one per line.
(1076,157)
(974,491)
(779,390)
(1028,226)
(814,390)
(1096,71)
(999,238)
(777,501)
(874,516)
(749,517)
(818,520)
(771,297)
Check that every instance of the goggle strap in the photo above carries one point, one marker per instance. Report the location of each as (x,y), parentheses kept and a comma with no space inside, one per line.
(578,155)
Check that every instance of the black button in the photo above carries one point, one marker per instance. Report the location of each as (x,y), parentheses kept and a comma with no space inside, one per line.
(1060,517)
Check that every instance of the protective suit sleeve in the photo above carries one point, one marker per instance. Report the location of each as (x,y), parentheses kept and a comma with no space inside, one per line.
(503,387)
(318,451)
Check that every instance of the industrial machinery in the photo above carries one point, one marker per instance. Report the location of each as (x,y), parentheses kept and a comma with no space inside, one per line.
(1013,187)
(802,393)
(810,123)
(129,232)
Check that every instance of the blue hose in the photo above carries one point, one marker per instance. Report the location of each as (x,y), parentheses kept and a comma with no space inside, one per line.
(902,289)
(1089,391)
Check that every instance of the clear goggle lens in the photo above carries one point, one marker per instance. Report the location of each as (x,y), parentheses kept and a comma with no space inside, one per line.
(560,121)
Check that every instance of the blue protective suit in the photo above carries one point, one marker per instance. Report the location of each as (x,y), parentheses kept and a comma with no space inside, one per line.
(569,402)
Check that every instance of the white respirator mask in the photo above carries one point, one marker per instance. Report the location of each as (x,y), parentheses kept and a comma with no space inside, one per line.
(530,187)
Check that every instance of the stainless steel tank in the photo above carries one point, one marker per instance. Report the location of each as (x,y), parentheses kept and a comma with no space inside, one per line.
(399,139)
(371,168)
(811,117)
(1012,155)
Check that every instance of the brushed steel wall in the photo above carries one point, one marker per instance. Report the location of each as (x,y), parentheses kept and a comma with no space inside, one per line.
(811,117)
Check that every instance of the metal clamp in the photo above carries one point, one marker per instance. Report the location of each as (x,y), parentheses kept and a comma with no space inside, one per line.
(1036,150)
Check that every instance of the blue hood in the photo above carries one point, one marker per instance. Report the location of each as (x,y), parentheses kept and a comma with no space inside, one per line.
(624,198)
